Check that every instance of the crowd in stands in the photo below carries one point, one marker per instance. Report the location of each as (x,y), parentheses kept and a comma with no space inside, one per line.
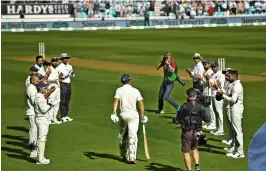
(172,8)
(192,9)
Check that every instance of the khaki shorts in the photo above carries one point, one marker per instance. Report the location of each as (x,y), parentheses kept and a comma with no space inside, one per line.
(189,141)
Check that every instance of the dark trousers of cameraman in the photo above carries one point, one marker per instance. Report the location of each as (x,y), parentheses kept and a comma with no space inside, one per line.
(198,86)
(164,93)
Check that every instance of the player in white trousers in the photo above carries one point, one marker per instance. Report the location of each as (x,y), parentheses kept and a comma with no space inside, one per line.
(128,96)
(42,120)
(227,90)
(217,80)
(235,100)
(207,91)
(53,81)
(31,94)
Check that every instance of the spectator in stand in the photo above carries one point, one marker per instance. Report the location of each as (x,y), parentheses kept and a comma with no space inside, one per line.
(200,9)
(96,8)
(181,11)
(232,7)
(223,6)
(240,7)
(118,9)
(258,6)
(193,10)
(246,5)
(264,7)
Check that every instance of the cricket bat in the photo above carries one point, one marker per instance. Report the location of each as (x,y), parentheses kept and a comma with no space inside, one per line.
(145,143)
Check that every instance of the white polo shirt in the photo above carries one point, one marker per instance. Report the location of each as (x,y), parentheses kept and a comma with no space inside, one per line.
(66,70)
(128,97)
(41,70)
(197,69)
(31,94)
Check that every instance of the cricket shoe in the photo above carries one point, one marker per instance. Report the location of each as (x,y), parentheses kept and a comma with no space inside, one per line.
(44,161)
(68,118)
(57,122)
(208,127)
(132,162)
(229,149)
(230,154)
(158,112)
(227,142)
(238,155)
(63,120)
(33,154)
(217,133)
(197,168)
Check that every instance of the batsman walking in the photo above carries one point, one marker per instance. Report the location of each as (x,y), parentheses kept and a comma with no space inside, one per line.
(128,96)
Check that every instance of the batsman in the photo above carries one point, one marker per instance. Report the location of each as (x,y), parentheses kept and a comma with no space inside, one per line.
(127,96)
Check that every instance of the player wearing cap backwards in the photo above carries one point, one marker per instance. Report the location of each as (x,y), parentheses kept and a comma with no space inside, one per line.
(42,118)
(235,100)
(65,73)
(129,118)
(217,82)
(52,74)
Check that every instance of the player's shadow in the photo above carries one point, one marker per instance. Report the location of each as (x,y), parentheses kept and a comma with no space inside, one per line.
(152,111)
(18,128)
(213,139)
(17,153)
(210,149)
(162,167)
(94,156)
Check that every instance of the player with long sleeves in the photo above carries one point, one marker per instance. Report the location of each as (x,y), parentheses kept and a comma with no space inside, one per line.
(235,99)
(42,109)
(128,96)
(53,81)
(217,82)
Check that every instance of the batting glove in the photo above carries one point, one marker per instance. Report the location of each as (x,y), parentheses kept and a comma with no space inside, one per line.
(114,118)
(144,119)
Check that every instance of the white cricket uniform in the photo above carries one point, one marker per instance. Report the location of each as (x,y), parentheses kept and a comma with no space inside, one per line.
(237,109)
(197,69)
(205,81)
(31,94)
(217,105)
(129,123)
(41,70)
(27,82)
(227,89)
(54,98)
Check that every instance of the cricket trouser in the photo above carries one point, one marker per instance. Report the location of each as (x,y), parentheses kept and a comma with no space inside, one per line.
(65,98)
(54,99)
(128,137)
(218,105)
(213,117)
(238,136)
(53,112)
(33,131)
(229,123)
(43,128)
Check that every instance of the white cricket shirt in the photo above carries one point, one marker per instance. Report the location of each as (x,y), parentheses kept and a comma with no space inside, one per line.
(217,77)
(66,70)
(27,82)
(41,70)
(41,106)
(236,99)
(53,78)
(206,87)
(227,89)
(128,97)
(31,94)
(197,69)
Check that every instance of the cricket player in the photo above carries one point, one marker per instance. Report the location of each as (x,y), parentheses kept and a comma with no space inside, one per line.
(217,82)
(33,72)
(31,94)
(235,99)
(207,91)
(53,81)
(128,96)
(197,73)
(42,120)
(66,73)
(39,65)
(227,90)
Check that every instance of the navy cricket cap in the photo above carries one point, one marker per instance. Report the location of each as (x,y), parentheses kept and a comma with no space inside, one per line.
(54,59)
(214,64)
(125,78)
(33,68)
(41,85)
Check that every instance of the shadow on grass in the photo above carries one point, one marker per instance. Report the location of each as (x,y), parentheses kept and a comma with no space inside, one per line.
(214,139)
(162,167)
(210,150)
(18,128)
(18,154)
(19,138)
(94,156)
(165,112)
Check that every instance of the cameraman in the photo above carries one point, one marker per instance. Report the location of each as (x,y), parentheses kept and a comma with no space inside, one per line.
(190,115)
(170,74)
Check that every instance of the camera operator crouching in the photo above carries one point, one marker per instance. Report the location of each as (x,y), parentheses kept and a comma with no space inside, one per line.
(190,116)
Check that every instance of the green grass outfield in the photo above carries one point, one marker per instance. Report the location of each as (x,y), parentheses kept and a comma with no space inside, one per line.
(90,141)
